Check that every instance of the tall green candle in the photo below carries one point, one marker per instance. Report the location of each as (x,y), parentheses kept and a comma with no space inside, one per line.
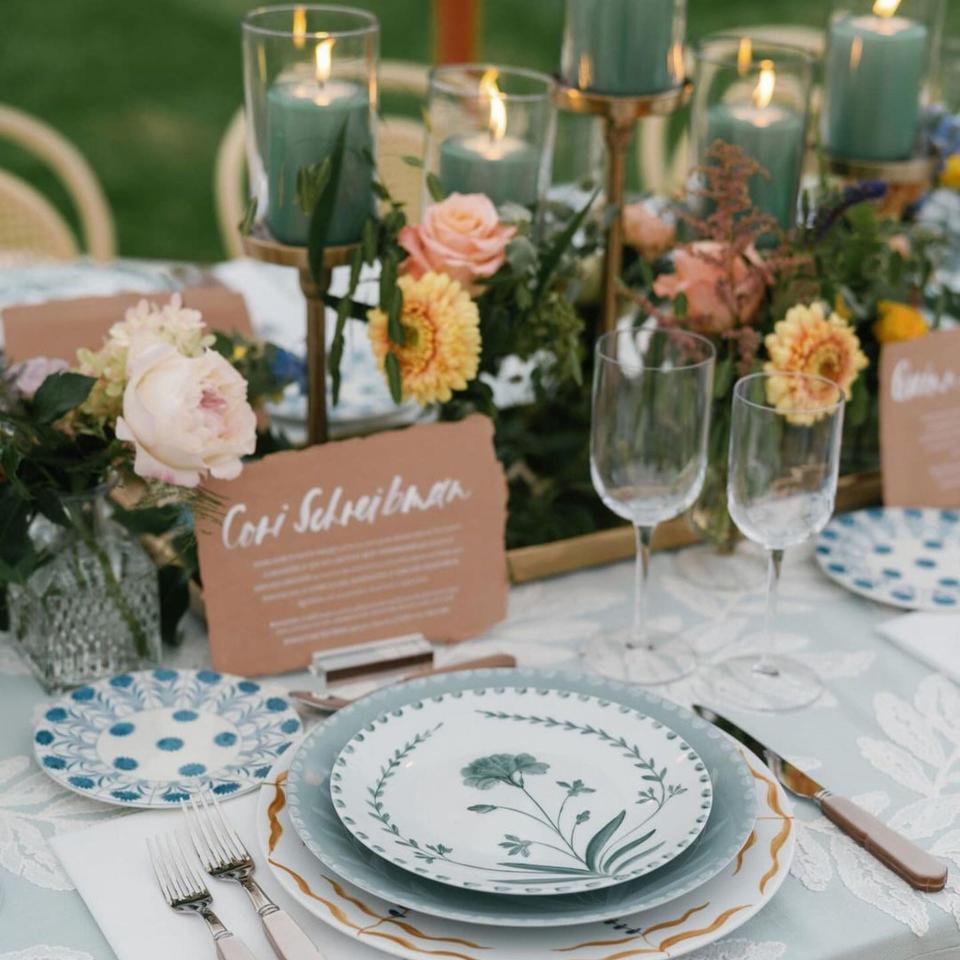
(624,47)
(304,120)
(773,137)
(874,71)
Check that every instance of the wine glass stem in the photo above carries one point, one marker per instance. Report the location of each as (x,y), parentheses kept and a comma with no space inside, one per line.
(765,664)
(640,598)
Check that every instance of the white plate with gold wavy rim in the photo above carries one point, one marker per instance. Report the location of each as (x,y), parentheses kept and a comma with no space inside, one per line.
(696,919)
(312,814)
(521,790)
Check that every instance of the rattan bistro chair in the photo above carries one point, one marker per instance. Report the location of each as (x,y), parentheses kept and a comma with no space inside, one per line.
(398,137)
(30,226)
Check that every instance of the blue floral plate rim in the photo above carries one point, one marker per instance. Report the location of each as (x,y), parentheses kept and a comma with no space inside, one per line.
(152,738)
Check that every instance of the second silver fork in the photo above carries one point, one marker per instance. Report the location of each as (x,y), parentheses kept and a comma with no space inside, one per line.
(224,857)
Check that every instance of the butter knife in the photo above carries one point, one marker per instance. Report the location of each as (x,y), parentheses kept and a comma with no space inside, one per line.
(920,869)
(330,703)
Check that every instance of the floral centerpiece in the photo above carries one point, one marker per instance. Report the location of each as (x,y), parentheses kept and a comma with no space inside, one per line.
(161,405)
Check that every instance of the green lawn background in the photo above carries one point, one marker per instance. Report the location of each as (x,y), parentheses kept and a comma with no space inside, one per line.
(145,88)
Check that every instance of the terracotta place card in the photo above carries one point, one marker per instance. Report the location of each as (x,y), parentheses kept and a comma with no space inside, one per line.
(59,328)
(920,421)
(356,541)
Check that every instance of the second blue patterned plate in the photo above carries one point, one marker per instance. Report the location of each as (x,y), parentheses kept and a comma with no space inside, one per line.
(153,738)
(906,557)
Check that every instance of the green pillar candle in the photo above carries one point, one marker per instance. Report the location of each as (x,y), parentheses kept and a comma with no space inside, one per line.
(304,120)
(623,47)
(506,170)
(773,136)
(874,71)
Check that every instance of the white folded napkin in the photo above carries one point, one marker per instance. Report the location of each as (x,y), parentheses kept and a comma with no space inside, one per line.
(109,866)
(933,638)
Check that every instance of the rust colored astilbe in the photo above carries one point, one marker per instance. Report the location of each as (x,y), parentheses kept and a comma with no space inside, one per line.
(721,277)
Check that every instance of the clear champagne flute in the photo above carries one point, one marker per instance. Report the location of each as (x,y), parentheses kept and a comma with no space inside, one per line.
(648,454)
(785,438)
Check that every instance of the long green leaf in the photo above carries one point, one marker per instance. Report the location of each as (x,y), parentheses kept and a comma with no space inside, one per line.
(546,868)
(645,853)
(392,366)
(625,849)
(551,258)
(600,838)
(323,209)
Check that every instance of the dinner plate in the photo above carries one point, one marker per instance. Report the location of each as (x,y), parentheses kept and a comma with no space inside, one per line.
(906,557)
(312,814)
(152,738)
(521,790)
(687,923)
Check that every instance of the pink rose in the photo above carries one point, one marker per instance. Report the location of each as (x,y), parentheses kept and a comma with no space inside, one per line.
(643,230)
(28,376)
(461,236)
(722,292)
(186,416)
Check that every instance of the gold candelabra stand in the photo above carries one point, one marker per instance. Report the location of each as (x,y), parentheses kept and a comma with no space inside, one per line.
(620,115)
(259,246)
(907,180)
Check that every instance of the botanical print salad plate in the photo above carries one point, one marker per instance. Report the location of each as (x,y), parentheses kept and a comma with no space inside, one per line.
(521,790)
(732,818)
(152,738)
(906,557)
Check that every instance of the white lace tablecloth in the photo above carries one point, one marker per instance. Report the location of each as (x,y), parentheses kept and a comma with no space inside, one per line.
(886,732)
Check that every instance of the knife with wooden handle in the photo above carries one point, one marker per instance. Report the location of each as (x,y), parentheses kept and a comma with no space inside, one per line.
(330,703)
(921,870)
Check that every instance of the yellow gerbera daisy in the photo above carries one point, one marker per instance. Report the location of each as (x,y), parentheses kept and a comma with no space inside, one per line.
(950,176)
(809,341)
(442,326)
(898,321)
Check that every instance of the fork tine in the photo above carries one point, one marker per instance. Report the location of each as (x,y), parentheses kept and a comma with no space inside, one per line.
(232,838)
(219,849)
(173,868)
(158,871)
(195,885)
(198,835)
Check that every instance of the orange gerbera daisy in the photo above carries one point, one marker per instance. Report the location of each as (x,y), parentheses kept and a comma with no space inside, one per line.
(809,341)
(442,326)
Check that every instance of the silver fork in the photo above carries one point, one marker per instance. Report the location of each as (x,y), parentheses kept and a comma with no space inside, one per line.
(224,857)
(185,892)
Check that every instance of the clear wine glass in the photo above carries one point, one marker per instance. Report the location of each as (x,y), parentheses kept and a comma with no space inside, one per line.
(648,455)
(785,438)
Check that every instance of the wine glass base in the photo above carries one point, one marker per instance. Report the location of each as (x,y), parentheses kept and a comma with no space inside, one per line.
(663,660)
(782,684)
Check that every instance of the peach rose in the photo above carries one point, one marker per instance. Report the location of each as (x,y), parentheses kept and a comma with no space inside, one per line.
(461,236)
(643,230)
(186,416)
(721,294)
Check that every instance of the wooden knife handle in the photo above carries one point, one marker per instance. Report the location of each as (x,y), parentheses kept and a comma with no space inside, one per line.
(481,663)
(920,869)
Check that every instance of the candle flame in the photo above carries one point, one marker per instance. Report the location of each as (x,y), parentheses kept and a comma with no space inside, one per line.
(767,83)
(886,8)
(498,109)
(324,59)
(744,55)
(299,27)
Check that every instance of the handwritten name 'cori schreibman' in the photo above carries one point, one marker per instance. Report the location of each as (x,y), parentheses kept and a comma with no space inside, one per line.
(317,516)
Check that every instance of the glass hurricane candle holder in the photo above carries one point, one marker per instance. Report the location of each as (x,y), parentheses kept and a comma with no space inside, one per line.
(876,71)
(310,76)
(626,48)
(491,131)
(756,96)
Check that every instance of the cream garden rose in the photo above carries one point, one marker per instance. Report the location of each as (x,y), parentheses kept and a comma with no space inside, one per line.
(461,236)
(186,416)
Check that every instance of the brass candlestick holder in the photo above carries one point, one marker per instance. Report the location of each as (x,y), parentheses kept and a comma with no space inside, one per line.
(908,180)
(259,246)
(620,115)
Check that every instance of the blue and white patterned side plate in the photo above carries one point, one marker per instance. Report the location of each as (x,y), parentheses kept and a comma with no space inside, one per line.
(906,557)
(150,739)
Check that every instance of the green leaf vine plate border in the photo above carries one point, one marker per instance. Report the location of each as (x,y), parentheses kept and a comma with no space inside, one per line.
(521,790)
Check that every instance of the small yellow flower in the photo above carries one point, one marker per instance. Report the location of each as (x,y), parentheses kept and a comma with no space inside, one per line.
(840,307)
(442,326)
(898,321)
(240,350)
(950,177)
(808,341)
